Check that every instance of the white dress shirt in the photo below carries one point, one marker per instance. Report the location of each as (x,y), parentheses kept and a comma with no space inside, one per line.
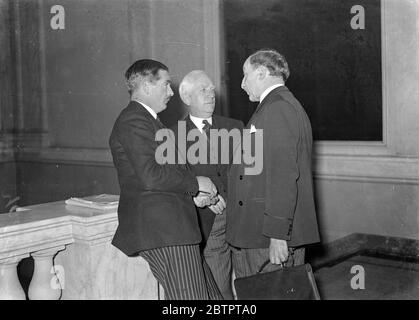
(268,90)
(198,122)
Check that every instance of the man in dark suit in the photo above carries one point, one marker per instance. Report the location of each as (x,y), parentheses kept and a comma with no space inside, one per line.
(271,215)
(156,213)
(197,91)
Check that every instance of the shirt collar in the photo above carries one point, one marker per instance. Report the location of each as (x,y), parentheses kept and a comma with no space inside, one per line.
(151,111)
(198,121)
(268,90)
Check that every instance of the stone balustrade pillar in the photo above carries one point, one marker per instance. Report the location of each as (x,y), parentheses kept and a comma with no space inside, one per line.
(90,267)
(10,287)
(45,284)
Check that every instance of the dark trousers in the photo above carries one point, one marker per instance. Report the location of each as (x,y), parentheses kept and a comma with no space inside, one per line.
(217,254)
(182,273)
(247,262)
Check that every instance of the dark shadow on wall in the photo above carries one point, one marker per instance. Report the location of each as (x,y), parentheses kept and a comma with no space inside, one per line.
(335,70)
(47,182)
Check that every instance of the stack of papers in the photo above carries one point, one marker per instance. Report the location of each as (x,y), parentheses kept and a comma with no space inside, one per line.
(101,202)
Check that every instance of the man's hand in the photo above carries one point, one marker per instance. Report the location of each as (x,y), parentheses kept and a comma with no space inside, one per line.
(203,199)
(207,186)
(278,251)
(219,207)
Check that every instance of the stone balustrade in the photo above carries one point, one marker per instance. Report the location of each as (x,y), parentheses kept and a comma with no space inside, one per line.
(73,256)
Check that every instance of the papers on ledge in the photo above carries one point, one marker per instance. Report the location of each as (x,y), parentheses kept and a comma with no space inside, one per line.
(101,202)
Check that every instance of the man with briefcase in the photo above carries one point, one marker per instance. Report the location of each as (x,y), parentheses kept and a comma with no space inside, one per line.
(271,216)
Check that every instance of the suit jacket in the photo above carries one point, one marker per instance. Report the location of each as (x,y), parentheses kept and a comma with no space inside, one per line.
(279,202)
(216,172)
(155,207)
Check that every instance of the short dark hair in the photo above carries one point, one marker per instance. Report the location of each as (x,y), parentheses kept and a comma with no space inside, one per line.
(146,69)
(273,61)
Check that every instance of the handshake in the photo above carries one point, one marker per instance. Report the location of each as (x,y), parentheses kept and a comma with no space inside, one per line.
(208,196)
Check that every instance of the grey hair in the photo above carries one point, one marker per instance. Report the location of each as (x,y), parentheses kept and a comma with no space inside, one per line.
(188,82)
(273,61)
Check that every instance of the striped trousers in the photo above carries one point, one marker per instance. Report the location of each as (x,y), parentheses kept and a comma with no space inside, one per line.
(182,273)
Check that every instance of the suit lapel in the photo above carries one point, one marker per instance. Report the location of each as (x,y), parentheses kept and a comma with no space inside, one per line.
(139,108)
(216,125)
(259,109)
(269,98)
(189,124)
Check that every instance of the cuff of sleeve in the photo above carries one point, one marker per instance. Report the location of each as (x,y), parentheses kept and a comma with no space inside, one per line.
(277,227)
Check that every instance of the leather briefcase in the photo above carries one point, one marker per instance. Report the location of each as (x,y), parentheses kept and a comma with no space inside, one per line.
(288,283)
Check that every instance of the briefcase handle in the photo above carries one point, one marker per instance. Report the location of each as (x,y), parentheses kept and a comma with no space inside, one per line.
(268,261)
(308,267)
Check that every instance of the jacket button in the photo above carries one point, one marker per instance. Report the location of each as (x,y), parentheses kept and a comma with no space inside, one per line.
(219,174)
(240,203)
(241,177)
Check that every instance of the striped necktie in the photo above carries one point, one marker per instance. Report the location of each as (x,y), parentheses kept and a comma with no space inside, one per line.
(206,126)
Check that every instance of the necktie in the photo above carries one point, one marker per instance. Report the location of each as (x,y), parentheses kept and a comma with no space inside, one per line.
(206,130)
(206,127)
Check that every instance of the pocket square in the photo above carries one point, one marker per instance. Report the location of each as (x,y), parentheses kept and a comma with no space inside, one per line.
(252,128)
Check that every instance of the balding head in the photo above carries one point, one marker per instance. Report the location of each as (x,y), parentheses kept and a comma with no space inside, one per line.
(262,70)
(198,92)
(271,60)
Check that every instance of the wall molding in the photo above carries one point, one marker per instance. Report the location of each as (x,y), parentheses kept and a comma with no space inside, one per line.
(71,156)
(373,169)
(351,148)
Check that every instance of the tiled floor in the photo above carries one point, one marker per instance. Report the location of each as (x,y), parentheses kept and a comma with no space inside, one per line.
(385,279)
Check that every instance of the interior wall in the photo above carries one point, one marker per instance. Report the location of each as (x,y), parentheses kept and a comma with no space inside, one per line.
(346,207)
(75,89)
(8,190)
(67,109)
(84,69)
(177,33)
(7,101)
(374,188)
(61,181)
